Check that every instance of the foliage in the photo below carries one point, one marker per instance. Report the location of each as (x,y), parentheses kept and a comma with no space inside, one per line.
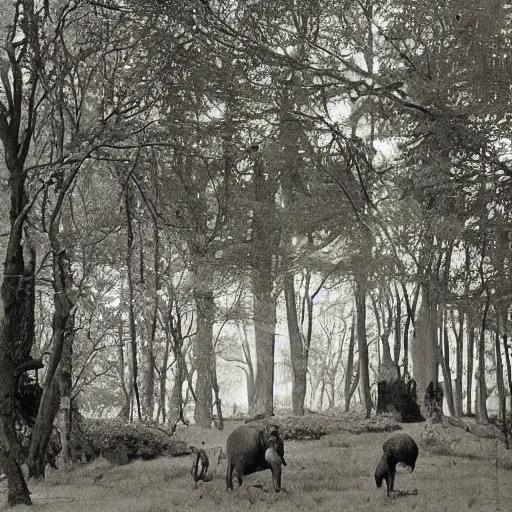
(122,442)
(315,426)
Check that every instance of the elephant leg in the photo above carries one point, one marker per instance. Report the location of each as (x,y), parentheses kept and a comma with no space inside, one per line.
(274,461)
(204,471)
(229,476)
(392,472)
(239,473)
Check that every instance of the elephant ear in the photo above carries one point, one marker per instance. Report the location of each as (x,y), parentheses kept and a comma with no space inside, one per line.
(270,435)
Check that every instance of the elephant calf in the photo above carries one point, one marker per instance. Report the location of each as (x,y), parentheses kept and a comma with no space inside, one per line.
(254,448)
(398,448)
(200,465)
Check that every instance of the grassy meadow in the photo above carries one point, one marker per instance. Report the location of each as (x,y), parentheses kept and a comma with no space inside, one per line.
(330,474)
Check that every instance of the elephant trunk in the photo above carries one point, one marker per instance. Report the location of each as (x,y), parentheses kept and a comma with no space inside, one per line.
(274,461)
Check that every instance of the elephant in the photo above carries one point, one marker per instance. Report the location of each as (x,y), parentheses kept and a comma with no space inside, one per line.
(200,464)
(254,448)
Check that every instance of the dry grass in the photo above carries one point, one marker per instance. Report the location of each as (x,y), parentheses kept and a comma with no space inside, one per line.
(334,473)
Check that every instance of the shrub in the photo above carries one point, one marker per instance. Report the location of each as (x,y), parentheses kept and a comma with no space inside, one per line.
(315,426)
(121,442)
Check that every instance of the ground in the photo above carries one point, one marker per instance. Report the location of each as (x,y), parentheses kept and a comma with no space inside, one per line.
(333,473)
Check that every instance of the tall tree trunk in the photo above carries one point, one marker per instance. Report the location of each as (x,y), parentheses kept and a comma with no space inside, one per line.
(162,412)
(249,369)
(63,331)
(362,345)
(353,387)
(398,334)
(444,358)
(66,360)
(147,380)
(424,348)
(509,368)
(65,409)
(459,343)
(350,365)
(411,311)
(481,412)
(174,328)
(446,387)
(219,423)
(17,290)
(264,329)
(264,241)
(470,368)
(205,307)
(471,332)
(502,254)
(17,301)
(322,392)
(500,384)
(148,373)
(126,388)
(481,408)
(131,298)
(379,331)
(299,370)
(388,369)
(176,399)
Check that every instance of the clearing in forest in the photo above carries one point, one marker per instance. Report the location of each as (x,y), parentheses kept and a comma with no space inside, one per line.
(333,473)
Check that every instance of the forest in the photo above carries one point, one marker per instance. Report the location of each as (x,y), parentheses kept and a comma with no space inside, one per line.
(217,208)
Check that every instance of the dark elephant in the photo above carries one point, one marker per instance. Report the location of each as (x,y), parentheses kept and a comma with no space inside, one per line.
(254,448)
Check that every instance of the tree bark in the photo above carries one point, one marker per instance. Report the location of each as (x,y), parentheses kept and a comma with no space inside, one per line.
(388,368)
(17,301)
(459,340)
(63,331)
(249,369)
(425,344)
(264,329)
(124,412)
(411,310)
(446,386)
(444,357)
(500,384)
(501,293)
(148,373)
(299,370)
(470,368)
(362,345)
(131,299)
(398,337)
(264,241)
(509,368)
(162,412)
(174,328)
(219,421)
(205,307)
(353,387)
(350,366)
(65,407)
(471,333)
(481,412)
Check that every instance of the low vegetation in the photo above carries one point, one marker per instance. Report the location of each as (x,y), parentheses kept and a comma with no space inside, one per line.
(120,442)
(315,426)
(332,473)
